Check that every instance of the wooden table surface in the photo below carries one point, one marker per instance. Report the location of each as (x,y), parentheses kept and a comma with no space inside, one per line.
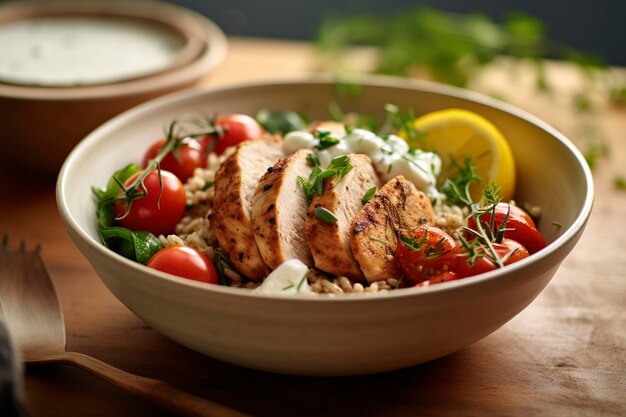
(563,355)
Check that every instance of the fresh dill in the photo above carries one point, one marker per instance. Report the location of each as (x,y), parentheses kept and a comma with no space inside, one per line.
(457,188)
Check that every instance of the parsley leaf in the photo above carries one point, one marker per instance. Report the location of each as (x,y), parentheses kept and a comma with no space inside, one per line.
(326,140)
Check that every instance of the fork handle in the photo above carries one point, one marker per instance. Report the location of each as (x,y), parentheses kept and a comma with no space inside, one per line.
(154,390)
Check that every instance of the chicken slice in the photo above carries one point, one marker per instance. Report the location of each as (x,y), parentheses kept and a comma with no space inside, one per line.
(279,211)
(330,242)
(235,183)
(373,236)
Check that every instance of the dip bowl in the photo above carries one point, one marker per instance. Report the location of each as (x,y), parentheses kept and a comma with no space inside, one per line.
(42,120)
(343,334)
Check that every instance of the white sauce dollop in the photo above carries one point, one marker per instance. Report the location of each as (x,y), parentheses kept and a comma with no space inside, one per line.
(69,51)
(391,156)
(288,279)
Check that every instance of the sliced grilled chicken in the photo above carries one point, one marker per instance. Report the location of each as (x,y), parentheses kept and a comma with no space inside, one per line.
(279,211)
(373,235)
(235,183)
(330,242)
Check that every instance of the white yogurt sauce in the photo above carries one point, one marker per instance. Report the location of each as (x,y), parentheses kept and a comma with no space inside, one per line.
(82,50)
(288,279)
(391,156)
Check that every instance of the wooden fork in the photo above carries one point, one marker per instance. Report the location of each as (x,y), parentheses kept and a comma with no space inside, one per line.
(32,313)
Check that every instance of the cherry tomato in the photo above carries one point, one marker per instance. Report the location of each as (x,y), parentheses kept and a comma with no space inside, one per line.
(511,250)
(444,277)
(425,252)
(190,157)
(151,213)
(185,262)
(521,225)
(238,128)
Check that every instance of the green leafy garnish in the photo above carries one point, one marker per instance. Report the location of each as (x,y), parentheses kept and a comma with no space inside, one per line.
(368,195)
(207,184)
(485,234)
(105,196)
(325,140)
(338,167)
(220,259)
(138,246)
(325,215)
(619,183)
(313,186)
(398,121)
(457,188)
(280,121)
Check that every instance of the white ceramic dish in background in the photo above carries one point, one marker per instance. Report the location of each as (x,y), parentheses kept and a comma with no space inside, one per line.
(330,335)
(52,120)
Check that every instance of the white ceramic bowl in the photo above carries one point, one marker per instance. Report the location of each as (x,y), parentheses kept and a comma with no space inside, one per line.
(331,335)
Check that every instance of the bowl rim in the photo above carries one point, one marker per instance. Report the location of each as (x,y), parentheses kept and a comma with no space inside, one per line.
(206,43)
(374,81)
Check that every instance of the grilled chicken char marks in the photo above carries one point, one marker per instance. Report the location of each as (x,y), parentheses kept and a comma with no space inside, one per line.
(373,236)
(235,183)
(330,242)
(279,211)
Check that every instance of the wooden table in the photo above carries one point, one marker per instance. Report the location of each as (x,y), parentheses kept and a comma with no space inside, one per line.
(564,355)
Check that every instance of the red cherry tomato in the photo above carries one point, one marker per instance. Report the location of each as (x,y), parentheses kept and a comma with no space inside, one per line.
(238,128)
(521,225)
(509,250)
(425,252)
(444,277)
(151,213)
(190,157)
(185,262)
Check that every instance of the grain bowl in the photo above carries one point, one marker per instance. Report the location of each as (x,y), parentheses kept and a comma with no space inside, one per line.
(343,334)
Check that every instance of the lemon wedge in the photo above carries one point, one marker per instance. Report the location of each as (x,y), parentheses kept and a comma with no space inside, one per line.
(455,134)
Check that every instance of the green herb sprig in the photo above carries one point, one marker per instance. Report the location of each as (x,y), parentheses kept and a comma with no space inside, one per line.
(457,187)
(485,234)
(314,185)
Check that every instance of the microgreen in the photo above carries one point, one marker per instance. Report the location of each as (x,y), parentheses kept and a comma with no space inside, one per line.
(619,183)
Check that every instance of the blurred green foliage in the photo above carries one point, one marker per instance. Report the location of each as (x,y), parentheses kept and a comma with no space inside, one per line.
(447,47)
